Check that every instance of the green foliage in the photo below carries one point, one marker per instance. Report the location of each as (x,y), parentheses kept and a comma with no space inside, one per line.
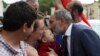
(46,4)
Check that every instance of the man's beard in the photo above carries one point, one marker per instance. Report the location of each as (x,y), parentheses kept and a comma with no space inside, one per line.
(73,16)
(57,30)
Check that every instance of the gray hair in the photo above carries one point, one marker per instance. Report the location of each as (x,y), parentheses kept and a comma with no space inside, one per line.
(65,14)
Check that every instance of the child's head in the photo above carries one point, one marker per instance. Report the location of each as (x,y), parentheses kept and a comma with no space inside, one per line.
(48,36)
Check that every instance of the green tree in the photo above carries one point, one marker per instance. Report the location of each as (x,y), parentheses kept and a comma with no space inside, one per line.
(45,5)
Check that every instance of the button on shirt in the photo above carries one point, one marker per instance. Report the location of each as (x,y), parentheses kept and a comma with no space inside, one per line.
(7,50)
(68,33)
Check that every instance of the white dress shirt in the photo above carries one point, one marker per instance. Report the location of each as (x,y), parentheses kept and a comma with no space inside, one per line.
(68,33)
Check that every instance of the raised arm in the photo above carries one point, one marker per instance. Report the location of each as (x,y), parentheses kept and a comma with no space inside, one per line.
(59,4)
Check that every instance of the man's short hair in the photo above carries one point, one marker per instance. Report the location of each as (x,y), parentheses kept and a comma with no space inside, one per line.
(17,14)
(76,5)
(65,14)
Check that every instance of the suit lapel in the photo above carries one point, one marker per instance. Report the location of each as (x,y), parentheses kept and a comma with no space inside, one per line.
(72,39)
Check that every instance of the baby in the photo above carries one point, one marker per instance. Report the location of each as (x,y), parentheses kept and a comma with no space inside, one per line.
(48,46)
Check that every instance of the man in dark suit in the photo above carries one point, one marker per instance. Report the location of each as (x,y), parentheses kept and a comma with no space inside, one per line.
(80,40)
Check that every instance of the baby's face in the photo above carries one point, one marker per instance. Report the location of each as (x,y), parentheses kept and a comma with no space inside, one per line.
(49,35)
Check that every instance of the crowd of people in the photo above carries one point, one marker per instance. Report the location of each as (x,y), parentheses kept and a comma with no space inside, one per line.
(26,32)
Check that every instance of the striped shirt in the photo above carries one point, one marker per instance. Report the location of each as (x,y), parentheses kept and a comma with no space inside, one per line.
(7,50)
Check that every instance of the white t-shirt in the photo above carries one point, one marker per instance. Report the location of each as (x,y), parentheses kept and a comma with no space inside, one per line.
(81,23)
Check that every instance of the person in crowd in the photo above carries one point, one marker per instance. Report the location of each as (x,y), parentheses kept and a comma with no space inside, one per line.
(36,36)
(18,22)
(78,40)
(76,9)
(37,33)
(47,46)
(34,4)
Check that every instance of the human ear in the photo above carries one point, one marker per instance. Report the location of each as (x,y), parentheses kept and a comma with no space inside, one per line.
(25,27)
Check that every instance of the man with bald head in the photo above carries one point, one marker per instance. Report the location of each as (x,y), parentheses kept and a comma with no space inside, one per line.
(76,9)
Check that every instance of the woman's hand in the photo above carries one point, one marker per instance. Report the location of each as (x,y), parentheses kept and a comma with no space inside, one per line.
(52,52)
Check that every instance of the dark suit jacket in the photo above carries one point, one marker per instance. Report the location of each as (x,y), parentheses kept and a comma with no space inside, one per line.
(84,41)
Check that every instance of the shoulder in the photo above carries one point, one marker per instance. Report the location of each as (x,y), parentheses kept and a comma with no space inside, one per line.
(3,46)
(85,32)
(31,51)
(80,27)
(3,50)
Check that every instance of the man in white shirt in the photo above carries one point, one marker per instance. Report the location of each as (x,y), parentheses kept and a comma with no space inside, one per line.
(76,9)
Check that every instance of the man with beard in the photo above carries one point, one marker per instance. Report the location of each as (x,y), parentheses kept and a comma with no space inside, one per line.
(78,40)
(76,9)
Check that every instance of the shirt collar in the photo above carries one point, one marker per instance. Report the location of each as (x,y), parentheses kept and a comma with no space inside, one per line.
(68,31)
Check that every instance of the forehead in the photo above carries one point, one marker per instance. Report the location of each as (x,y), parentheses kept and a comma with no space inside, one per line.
(40,22)
(48,31)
